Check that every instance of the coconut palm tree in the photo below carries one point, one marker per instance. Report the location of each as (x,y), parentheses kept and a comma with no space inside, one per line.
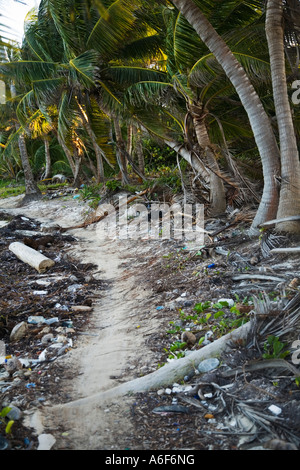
(202,92)
(258,118)
(32,191)
(84,82)
(289,201)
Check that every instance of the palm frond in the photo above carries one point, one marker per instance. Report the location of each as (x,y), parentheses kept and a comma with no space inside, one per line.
(144,48)
(48,90)
(69,19)
(147,92)
(110,31)
(28,70)
(126,75)
(186,43)
(67,116)
(101,126)
(207,68)
(84,66)
(25,109)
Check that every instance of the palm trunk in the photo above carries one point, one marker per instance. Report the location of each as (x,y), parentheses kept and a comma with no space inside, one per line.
(47,158)
(121,148)
(98,152)
(217,191)
(32,191)
(191,158)
(78,161)
(130,132)
(139,149)
(67,153)
(289,199)
(258,118)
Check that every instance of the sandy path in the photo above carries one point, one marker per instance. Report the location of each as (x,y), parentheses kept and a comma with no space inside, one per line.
(113,344)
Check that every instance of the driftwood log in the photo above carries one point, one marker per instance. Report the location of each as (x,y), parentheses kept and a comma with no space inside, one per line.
(169,373)
(28,255)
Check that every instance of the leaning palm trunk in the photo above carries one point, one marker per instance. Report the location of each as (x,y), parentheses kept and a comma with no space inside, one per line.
(67,153)
(191,157)
(98,153)
(47,158)
(289,200)
(217,190)
(258,118)
(122,161)
(139,149)
(97,149)
(32,191)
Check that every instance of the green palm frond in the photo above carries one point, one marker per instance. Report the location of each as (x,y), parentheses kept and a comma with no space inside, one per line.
(68,116)
(69,19)
(109,99)
(48,90)
(186,43)
(28,70)
(84,67)
(147,92)
(207,68)
(144,48)
(26,108)
(110,31)
(126,75)
(34,39)
(101,126)
(159,122)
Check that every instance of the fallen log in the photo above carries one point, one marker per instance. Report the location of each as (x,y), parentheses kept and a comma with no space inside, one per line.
(93,219)
(32,257)
(294,249)
(260,277)
(170,373)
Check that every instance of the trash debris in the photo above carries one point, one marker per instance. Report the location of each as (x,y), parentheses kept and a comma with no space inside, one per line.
(208,364)
(46,441)
(170,409)
(275,410)
(19,331)
(30,385)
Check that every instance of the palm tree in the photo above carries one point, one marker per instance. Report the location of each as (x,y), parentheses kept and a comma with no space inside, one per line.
(289,201)
(259,120)
(202,92)
(32,192)
(84,82)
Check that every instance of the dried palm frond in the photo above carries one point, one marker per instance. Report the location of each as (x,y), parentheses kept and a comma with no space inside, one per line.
(269,241)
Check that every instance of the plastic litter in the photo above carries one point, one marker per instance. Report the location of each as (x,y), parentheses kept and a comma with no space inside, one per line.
(4,444)
(275,410)
(34,320)
(208,364)
(30,385)
(170,409)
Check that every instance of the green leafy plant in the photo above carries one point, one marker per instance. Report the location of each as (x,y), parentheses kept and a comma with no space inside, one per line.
(201,307)
(175,329)
(274,348)
(113,185)
(3,415)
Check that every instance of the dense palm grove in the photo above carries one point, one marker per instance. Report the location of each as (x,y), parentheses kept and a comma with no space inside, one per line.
(99,88)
